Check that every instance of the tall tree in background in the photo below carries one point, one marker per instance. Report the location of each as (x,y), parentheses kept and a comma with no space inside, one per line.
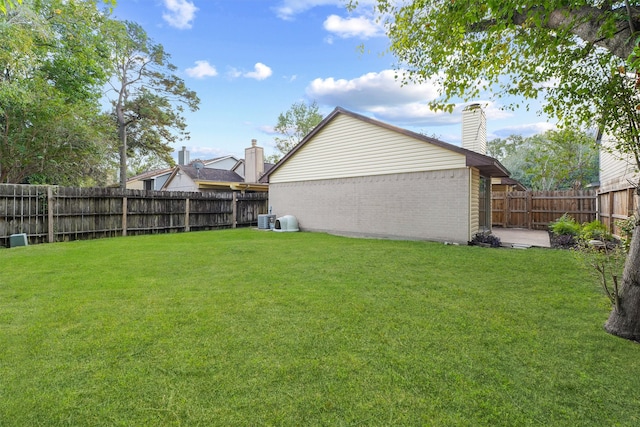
(294,125)
(571,53)
(148,98)
(555,160)
(53,63)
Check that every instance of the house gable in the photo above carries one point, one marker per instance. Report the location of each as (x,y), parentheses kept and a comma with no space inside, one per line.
(347,146)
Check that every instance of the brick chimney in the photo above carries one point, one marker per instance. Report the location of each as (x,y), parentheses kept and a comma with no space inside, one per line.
(474,129)
(253,162)
(183,156)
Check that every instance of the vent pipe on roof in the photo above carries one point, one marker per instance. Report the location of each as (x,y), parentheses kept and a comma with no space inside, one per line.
(474,129)
(183,156)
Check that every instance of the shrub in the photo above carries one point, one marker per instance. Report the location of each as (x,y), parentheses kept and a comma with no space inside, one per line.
(594,230)
(626,230)
(483,239)
(565,225)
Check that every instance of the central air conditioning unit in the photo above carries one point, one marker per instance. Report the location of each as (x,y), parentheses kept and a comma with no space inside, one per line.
(286,223)
(265,222)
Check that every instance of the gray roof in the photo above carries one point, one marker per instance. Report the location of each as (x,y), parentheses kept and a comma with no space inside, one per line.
(488,166)
(210,174)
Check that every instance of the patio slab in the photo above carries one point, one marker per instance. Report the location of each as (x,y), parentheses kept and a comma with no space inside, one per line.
(522,238)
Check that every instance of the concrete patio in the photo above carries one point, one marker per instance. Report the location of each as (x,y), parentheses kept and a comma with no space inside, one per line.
(522,238)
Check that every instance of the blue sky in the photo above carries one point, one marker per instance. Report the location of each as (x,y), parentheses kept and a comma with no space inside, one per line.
(250,60)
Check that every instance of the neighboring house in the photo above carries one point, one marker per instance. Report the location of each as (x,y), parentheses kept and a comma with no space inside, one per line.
(152,180)
(353,175)
(203,176)
(617,197)
(617,171)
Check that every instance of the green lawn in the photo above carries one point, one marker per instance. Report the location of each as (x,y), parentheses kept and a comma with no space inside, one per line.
(246,327)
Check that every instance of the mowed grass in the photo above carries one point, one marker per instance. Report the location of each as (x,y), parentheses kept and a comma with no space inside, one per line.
(246,327)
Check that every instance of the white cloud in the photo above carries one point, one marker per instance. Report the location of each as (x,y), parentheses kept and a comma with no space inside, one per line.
(384,96)
(260,72)
(180,13)
(527,129)
(287,9)
(234,73)
(369,90)
(353,27)
(201,70)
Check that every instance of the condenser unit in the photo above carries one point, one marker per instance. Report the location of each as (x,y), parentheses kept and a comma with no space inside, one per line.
(265,221)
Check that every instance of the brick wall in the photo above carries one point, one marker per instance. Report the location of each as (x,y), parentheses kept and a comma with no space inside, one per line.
(421,205)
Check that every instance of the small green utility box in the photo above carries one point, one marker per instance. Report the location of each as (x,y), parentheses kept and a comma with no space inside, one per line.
(16,240)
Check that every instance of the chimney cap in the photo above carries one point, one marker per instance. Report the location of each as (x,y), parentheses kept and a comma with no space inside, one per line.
(254,142)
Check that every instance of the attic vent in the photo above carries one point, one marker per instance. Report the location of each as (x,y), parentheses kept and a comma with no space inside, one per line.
(286,223)
(266,222)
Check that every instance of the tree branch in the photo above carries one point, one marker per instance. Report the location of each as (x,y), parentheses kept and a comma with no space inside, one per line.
(584,22)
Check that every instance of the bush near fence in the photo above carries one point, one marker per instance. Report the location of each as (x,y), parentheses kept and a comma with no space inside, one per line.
(53,214)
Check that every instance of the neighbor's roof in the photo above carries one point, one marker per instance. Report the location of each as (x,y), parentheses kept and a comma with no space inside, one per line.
(211,174)
(150,174)
(486,165)
(210,178)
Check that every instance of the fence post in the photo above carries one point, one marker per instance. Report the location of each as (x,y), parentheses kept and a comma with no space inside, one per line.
(528,208)
(234,221)
(124,215)
(51,236)
(611,207)
(186,215)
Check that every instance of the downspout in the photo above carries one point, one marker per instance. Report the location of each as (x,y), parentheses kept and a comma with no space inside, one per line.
(470,192)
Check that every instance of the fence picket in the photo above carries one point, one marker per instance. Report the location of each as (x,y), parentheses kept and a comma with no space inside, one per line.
(537,209)
(51,213)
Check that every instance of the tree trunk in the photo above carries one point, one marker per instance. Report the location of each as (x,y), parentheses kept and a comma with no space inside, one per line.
(122,136)
(625,322)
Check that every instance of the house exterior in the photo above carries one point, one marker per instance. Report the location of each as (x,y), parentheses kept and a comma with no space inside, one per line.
(220,174)
(152,180)
(617,198)
(353,175)
(616,169)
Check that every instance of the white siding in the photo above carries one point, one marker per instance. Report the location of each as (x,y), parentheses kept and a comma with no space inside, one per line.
(474,202)
(474,130)
(615,169)
(226,163)
(347,147)
(181,182)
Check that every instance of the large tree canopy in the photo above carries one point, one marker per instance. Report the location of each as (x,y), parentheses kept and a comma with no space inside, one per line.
(53,69)
(581,57)
(556,160)
(563,51)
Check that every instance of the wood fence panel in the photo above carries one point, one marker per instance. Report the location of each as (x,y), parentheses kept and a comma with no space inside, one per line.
(616,205)
(48,214)
(498,205)
(537,209)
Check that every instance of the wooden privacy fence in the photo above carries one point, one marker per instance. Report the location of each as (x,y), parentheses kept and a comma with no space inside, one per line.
(53,214)
(537,209)
(616,205)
